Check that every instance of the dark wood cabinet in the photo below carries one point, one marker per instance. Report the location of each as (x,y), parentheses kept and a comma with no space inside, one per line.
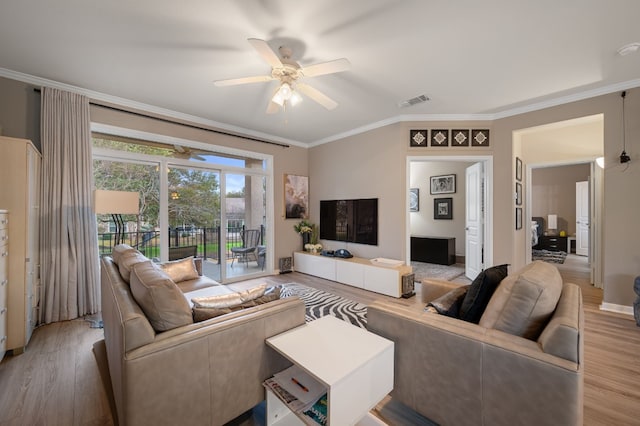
(552,243)
(440,250)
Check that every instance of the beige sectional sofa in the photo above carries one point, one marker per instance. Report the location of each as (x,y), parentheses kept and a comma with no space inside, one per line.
(461,373)
(195,373)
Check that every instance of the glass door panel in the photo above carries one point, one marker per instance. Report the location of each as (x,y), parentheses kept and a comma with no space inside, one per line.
(194,217)
(245,214)
(142,231)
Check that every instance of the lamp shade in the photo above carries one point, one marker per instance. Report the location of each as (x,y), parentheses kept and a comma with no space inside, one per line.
(552,221)
(115,202)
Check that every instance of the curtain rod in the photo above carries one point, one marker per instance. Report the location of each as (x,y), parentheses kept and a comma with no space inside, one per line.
(193,126)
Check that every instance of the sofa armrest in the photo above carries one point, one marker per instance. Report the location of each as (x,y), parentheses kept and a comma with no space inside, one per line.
(451,370)
(432,288)
(210,372)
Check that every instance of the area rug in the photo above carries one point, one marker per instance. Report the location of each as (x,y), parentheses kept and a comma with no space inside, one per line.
(440,272)
(549,256)
(319,303)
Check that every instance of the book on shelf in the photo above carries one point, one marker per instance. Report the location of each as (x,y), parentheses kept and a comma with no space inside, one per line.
(318,411)
(291,401)
(301,394)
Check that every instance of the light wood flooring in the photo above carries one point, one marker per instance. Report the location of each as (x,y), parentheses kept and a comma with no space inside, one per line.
(56,381)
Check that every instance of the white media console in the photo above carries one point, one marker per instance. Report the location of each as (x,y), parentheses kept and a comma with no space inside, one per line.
(357,272)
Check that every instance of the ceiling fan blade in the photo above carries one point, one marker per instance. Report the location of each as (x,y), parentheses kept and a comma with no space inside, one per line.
(243,80)
(317,96)
(329,67)
(266,52)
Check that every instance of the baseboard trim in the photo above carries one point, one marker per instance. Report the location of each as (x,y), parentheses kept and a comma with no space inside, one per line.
(620,309)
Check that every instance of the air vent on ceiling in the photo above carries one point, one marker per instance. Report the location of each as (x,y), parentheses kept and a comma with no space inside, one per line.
(413,101)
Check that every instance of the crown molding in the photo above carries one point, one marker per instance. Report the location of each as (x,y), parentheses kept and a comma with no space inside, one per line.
(127,103)
(605,90)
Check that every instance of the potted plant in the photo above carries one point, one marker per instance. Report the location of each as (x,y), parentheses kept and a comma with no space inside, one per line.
(304,228)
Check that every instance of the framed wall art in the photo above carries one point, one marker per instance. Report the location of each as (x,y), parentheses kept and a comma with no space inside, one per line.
(418,138)
(440,137)
(296,197)
(518,218)
(445,184)
(460,137)
(480,137)
(518,169)
(443,208)
(414,199)
(518,194)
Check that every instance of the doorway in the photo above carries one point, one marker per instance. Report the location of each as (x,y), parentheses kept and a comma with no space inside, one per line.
(568,143)
(422,219)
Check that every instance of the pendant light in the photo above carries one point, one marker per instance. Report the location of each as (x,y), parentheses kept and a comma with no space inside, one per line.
(624,158)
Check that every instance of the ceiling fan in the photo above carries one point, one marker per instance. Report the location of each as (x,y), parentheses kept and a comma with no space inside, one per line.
(289,73)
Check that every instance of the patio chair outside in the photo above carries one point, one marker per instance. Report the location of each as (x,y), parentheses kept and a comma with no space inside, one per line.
(250,240)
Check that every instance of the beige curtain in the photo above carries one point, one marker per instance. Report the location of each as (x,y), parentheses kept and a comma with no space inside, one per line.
(69,246)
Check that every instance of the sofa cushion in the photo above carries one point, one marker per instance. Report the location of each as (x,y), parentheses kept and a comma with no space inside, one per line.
(159,297)
(205,313)
(180,270)
(524,301)
(480,292)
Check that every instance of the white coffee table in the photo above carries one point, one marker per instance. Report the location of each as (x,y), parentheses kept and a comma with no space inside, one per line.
(354,365)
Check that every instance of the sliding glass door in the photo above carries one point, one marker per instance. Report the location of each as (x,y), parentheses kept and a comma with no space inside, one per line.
(191,203)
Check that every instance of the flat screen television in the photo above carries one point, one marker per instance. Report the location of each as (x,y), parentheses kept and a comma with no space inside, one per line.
(353,221)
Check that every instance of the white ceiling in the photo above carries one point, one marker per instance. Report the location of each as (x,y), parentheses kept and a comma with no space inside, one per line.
(473,59)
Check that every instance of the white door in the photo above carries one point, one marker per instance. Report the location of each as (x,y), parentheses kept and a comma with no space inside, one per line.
(582,218)
(474,221)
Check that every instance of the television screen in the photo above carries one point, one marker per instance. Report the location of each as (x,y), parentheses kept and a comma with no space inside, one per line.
(354,221)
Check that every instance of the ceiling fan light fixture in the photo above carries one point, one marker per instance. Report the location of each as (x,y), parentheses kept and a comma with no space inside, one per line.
(295,98)
(286,94)
(278,98)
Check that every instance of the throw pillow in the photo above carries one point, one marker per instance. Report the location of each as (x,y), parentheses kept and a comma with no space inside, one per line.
(480,292)
(524,301)
(218,301)
(204,313)
(127,259)
(118,250)
(181,270)
(449,303)
(159,297)
(231,299)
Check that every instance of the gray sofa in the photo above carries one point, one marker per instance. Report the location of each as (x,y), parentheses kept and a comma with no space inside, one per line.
(460,373)
(200,373)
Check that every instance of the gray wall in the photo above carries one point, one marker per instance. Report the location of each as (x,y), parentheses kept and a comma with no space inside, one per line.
(20,110)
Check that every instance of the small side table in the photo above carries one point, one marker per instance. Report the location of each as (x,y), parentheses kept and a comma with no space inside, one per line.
(569,239)
(354,365)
